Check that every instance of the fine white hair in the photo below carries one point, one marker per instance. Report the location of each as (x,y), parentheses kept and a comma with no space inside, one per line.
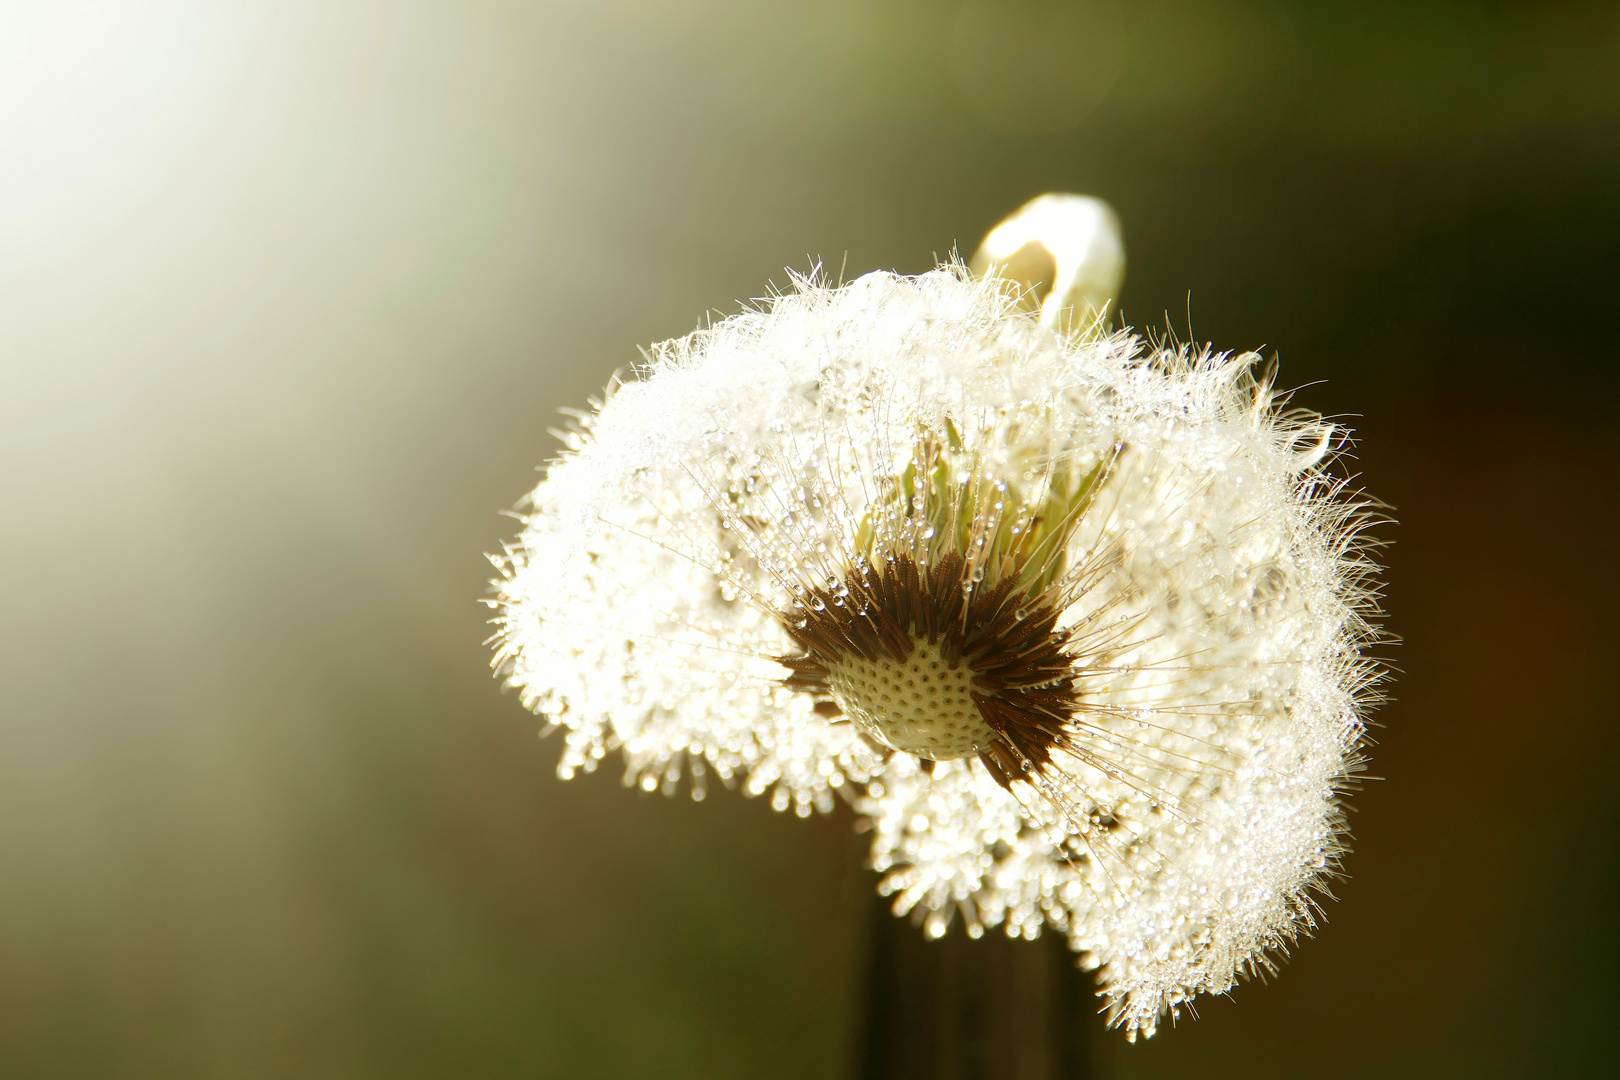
(1216,593)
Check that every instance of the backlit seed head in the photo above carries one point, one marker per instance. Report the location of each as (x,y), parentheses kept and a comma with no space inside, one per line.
(1075,622)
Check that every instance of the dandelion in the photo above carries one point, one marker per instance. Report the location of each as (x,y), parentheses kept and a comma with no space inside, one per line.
(1075,621)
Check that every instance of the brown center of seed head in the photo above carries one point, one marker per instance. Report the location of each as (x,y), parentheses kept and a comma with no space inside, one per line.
(921,664)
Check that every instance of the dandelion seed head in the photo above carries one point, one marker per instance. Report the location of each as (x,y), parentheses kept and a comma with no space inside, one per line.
(1076,623)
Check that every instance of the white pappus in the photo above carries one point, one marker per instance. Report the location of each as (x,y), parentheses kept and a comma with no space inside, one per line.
(1077,622)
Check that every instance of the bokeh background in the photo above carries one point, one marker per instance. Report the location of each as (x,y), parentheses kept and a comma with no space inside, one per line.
(291,292)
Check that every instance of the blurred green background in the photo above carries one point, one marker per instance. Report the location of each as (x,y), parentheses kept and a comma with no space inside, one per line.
(291,292)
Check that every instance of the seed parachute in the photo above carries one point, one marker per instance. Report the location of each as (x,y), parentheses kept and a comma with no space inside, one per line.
(1076,622)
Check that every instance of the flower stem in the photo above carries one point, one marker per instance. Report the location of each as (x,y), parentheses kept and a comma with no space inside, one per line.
(959,1009)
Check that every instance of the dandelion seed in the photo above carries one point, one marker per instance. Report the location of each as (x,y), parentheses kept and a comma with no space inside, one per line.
(1074,621)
